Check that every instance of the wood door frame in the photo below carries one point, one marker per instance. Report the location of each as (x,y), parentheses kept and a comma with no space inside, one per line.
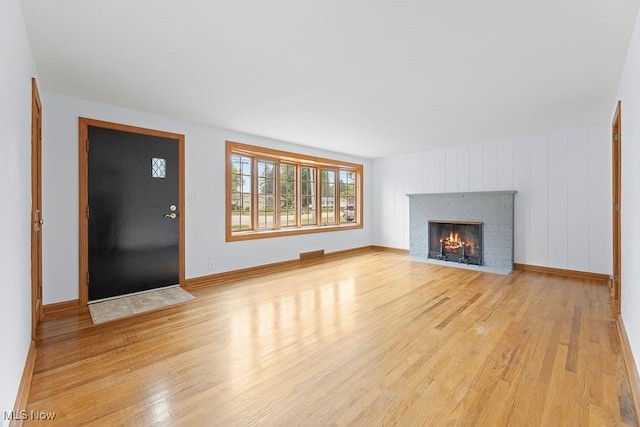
(616,157)
(36,209)
(83,156)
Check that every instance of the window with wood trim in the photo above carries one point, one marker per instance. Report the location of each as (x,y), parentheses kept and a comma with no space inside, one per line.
(277,193)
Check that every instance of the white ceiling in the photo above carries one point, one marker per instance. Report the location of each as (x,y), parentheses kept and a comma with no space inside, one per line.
(366,77)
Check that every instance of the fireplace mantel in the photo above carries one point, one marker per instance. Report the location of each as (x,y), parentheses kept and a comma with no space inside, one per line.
(471,193)
(494,209)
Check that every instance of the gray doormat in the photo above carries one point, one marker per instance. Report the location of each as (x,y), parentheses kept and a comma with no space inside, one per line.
(117,308)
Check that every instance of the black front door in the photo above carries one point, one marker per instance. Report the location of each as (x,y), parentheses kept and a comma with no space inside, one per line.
(133,225)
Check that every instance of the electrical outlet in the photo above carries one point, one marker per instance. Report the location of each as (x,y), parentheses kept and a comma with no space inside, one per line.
(212,264)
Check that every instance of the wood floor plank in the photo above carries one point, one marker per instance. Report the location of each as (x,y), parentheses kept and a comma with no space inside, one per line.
(574,342)
(373,339)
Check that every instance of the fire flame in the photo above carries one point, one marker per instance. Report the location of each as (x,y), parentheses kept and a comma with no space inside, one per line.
(454,243)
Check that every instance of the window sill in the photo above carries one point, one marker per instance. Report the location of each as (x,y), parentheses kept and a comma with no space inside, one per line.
(266,234)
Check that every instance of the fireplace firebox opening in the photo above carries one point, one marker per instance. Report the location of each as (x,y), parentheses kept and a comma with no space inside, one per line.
(456,241)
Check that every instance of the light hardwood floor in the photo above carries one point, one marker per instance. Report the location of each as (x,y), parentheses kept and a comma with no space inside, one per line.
(373,339)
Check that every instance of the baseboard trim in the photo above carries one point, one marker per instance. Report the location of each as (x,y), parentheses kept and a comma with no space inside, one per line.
(348,252)
(390,249)
(243,273)
(277,267)
(62,309)
(312,256)
(630,364)
(25,384)
(604,278)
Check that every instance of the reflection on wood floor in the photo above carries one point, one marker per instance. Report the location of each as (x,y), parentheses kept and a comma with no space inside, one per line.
(372,339)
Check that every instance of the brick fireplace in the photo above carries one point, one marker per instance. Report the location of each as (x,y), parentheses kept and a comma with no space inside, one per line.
(463,228)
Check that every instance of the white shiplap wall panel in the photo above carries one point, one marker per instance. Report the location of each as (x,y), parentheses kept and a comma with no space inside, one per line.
(562,202)
(389,204)
(521,211)
(418,174)
(539,201)
(505,165)
(439,166)
(462,173)
(412,184)
(578,200)
(600,214)
(400,196)
(558,220)
(404,201)
(475,167)
(451,169)
(490,166)
(429,173)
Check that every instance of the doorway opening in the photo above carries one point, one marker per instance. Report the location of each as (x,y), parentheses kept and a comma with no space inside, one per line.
(131,209)
(616,146)
(36,208)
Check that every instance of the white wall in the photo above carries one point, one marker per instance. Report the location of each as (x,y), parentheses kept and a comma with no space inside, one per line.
(16,69)
(562,208)
(629,94)
(205,207)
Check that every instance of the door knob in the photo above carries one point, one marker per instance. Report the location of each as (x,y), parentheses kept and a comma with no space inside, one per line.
(172,215)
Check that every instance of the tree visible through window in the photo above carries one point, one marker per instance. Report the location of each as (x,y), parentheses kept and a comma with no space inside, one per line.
(288,197)
(328,196)
(347,195)
(308,195)
(241,200)
(266,195)
(273,192)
